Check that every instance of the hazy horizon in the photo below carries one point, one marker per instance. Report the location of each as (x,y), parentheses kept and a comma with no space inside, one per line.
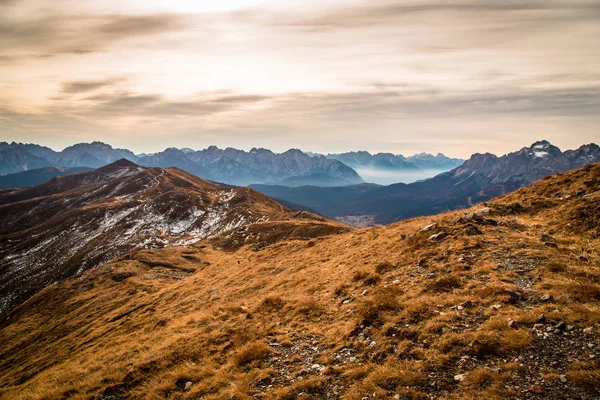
(411,76)
(379,174)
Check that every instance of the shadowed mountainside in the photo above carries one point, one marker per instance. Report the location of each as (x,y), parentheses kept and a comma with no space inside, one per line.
(37,176)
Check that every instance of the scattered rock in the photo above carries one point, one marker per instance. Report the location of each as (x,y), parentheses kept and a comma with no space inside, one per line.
(535,389)
(563,378)
(514,296)
(467,304)
(472,230)
(542,319)
(544,237)
(430,227)
(188,386)
(561,325)
(513,324)
(459,377)
(437,236)
(483,211)
(546,297)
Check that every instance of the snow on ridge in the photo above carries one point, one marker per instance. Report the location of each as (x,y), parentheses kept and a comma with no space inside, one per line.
(540,154)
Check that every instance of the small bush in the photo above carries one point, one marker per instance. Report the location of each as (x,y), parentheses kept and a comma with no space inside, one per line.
(384,268)
(271,304)
(584,374)
(444,284)
(359,275)
(371,280)
(383,300)
(584,291)
(392,376)
(252,352)
(310,308)
(555,266)
(481,378)
(498,343)
(314,388)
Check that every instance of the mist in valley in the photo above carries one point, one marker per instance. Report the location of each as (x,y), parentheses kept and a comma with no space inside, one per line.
(388,177)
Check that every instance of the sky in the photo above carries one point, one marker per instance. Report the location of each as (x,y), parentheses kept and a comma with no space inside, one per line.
(451,76)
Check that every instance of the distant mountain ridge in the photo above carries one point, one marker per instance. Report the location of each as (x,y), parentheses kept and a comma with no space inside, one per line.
(230,166)
(480,178)
(239,167)
(389,161)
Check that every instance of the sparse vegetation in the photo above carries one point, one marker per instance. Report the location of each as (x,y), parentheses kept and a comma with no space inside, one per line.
(497,315)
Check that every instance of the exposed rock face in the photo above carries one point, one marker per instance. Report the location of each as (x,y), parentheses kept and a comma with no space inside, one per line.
(528,164)
(74,222)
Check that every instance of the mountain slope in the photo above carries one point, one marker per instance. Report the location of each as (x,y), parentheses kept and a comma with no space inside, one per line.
(480,178)
(493,302)
(36,176)
(61,228)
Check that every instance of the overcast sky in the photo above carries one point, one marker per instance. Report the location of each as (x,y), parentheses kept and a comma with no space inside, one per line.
(452,76)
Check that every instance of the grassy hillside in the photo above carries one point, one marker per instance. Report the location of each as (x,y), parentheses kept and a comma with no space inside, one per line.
(499,301)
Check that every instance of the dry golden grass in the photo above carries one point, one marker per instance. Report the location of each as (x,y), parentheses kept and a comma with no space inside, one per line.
(378,314)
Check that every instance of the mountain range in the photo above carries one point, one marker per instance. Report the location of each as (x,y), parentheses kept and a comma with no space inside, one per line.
(480,178)
(72,223)
(229,166)
(389,161)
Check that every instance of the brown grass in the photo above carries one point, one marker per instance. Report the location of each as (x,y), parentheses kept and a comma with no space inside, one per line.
(146,335)
(252,352)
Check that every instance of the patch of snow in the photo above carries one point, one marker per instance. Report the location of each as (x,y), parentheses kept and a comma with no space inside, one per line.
(540,154)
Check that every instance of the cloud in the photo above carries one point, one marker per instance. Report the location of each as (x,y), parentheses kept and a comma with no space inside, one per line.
(386,12)
(49,35)
(75,87)
(152,106)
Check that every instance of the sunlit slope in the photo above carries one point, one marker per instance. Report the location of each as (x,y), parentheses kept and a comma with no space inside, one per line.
(499,301)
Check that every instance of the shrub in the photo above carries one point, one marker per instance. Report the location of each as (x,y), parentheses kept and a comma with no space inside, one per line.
(314,388)
(444,284)
(271,304)
(385,267)
(310,308)
(252,352)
